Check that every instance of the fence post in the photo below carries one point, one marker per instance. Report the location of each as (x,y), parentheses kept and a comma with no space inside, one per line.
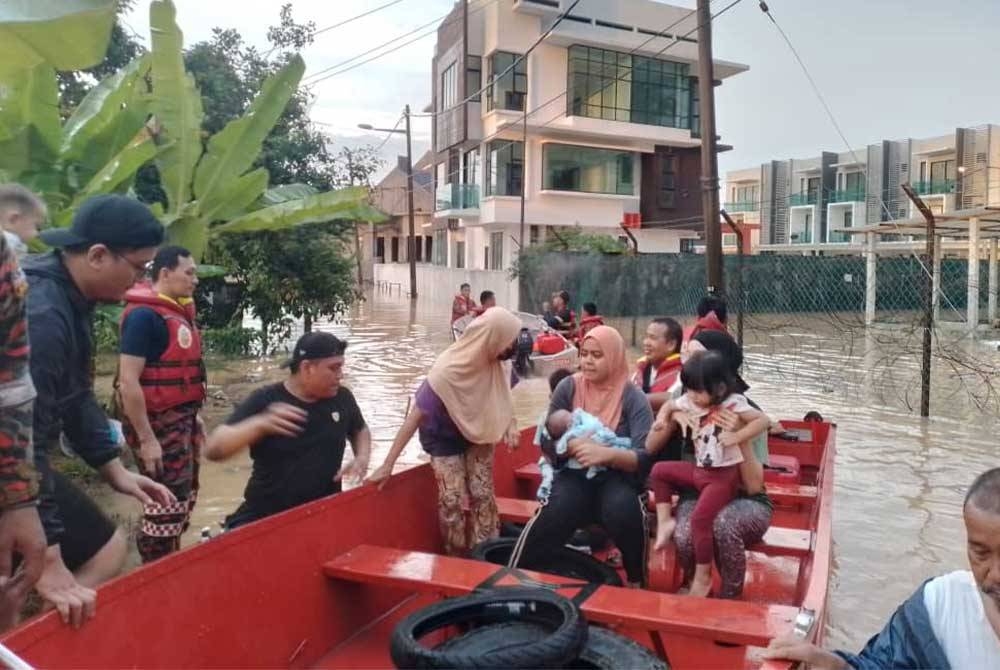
(929,299)
(936,282)
(871,266)
(991,309)
(972,304)
(738,229)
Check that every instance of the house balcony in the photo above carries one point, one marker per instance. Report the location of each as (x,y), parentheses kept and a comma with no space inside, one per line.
(934,187)
(849,195)
(803,199)
(745,206)
(455,199)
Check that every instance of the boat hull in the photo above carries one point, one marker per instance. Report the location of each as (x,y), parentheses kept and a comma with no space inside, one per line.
(259,596)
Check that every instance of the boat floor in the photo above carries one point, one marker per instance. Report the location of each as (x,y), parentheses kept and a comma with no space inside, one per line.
(769,579)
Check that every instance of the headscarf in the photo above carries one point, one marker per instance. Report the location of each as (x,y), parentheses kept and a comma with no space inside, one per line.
(604,400)
(723,344)
(473,383)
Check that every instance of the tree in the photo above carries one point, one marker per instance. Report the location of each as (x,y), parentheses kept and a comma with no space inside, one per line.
(356,166)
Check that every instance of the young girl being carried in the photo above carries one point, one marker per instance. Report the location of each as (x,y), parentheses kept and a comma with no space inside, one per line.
(708,388)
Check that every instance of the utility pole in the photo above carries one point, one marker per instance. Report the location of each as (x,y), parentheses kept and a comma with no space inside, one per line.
(524,172)
(709,156)
(928,299)
(411,246)
(357,226)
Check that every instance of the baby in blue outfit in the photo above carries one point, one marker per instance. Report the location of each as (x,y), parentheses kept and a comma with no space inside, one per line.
(563,426)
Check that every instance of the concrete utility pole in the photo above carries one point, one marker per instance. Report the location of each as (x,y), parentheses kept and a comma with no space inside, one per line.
(715,283)
(411,243)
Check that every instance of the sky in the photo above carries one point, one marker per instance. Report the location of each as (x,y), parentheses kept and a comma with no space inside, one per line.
(888,68)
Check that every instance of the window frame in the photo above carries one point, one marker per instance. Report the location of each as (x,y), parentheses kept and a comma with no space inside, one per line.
(473,64)
(492,172)
(449,73)
(518,80)
(549,185)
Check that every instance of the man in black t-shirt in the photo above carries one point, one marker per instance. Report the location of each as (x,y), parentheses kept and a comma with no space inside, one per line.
(297,432)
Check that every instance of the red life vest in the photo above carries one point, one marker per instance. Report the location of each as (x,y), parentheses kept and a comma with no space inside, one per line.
(588,323)
(708,322)
(663,378)
(178,377)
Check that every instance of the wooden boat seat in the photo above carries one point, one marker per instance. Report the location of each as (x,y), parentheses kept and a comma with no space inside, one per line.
(781,494)
(730,621)
(777,541)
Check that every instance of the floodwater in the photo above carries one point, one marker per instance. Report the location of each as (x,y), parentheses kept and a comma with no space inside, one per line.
(899,480)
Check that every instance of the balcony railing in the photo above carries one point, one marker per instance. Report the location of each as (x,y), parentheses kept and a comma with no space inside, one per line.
(848,195)
(800,237)
(934,187)
(796,199)
(457,196)
(744,206)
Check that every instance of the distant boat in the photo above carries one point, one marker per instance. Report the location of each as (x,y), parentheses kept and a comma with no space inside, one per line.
(543,364)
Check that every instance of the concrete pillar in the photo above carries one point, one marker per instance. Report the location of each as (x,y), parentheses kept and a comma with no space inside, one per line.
(936,279)
(991,310)
(871,264)
(972,301)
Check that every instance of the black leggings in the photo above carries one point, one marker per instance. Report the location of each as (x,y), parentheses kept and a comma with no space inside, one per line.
(576,502)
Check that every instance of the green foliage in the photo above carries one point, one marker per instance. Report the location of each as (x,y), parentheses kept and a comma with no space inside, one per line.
(231,341)
(65,34)
(573,241)
(302,273)
(106,320)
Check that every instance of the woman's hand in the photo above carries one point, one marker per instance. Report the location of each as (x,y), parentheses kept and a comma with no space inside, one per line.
(513,437)
(664,415)
(590,454)
(381,475)
(689,423)
(728,420)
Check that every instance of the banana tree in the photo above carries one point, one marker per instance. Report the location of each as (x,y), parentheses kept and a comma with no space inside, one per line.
(212,187)
(65,34)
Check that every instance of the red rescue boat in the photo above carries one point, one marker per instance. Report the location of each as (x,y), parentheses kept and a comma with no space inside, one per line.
(323,585)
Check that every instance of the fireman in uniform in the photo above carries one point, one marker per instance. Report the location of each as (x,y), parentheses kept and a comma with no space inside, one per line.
(161,388)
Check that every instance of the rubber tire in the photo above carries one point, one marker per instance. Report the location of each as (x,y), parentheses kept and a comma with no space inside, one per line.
(563,561)
(564,631)
(511,529)
(604,650)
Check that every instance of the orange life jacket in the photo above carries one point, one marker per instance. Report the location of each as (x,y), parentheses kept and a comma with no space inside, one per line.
(178,377)
(663,377)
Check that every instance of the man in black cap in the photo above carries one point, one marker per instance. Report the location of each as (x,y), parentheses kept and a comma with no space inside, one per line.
(97,259)
(297,431)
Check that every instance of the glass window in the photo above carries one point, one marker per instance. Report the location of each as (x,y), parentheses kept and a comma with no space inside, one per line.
(449,87)
(470,166)
(534,234)
(588,170)
(942,171)
(616,86)
(459,255)
(853,181)
(729,239)
(473,77)
(440,247)
(510,88)
(812,190)
(668,181)
(504,168)
(496,252)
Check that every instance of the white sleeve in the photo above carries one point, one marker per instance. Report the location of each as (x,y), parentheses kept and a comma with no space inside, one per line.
(738,403)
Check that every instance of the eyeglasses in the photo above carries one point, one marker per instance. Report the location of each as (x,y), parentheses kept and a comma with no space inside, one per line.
(140,270)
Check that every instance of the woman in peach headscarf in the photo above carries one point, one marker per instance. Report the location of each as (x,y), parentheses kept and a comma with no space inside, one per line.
(612,497)
(462,410)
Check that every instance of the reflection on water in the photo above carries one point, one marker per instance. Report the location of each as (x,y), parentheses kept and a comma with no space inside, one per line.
(900,479)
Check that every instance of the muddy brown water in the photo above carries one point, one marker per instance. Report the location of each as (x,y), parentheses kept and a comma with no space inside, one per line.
(899,481)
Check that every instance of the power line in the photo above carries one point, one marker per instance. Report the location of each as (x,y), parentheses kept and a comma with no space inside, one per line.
(335,70)
(355,18)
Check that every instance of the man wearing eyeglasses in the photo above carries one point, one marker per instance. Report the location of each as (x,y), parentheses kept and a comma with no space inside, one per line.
(97,259)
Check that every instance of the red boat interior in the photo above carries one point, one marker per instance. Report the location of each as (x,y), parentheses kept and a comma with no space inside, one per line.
(322,586)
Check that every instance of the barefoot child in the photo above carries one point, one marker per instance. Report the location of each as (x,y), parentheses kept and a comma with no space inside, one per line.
(709,387)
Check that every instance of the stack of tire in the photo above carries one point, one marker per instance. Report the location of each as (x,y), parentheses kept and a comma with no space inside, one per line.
(514,627)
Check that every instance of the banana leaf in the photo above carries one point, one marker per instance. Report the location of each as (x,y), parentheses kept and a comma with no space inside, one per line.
(67,34)
(107,118)
(235,198)
(232,151)
(176,104)
(190,232)
(286,192)
(345,204)
(29,113)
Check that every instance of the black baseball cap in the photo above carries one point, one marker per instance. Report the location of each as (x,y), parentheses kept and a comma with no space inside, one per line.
(115,221)
(315,345)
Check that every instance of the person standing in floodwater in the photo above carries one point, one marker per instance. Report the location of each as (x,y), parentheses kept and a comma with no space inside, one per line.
(161,386)
(462,410)
(463,303)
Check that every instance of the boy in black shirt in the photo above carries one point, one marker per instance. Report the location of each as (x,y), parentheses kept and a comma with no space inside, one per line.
(297,432)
